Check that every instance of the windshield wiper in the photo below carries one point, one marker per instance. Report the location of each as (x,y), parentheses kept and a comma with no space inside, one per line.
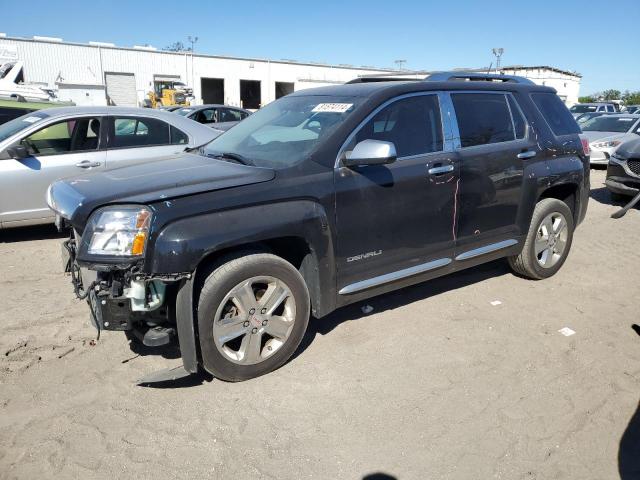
(232,156)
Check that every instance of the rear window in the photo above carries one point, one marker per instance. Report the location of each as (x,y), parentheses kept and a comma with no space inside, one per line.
(555,113)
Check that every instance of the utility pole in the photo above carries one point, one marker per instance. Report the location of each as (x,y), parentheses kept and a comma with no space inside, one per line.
(498,54)
(193,40)
(400,64)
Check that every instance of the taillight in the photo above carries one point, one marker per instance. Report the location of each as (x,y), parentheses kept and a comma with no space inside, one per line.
(585,146)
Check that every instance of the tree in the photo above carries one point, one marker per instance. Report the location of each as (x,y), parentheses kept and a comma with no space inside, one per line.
(611,94)
(587,99)
(177,47)
(631,98)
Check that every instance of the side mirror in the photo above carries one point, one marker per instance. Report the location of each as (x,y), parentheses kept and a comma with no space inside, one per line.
(371,152)
(17,152)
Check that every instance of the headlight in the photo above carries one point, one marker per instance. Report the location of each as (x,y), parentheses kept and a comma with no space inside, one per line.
(119,231)
(612,143)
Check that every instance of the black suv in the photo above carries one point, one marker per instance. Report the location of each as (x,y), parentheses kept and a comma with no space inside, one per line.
(321,199)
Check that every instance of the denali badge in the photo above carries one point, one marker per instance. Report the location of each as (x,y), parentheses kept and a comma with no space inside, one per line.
(363,256)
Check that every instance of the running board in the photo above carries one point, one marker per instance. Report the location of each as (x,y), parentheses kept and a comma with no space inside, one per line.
(394,276)
(493,247)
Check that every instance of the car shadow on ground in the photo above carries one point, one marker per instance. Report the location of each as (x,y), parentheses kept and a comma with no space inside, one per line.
(629,453)
(401,297)
(25,234)
(603,195)
(379,476)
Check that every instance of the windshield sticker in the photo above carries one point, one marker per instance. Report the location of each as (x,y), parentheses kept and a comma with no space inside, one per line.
(31,119)
(332,107)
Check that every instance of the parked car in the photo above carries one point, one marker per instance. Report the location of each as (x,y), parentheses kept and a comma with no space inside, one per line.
(43,146)
(219,116)
(623,171)
(11,108)
(603,107)
(631,109)
(323,198)
(607,132)
(585,117)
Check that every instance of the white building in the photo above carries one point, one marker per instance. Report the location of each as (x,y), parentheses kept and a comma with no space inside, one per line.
(97,73)
(566,83)
(91,73)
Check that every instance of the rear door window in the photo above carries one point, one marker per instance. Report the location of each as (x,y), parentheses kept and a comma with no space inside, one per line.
(412,124)
(519,123)
(555,113)
(483,118)
(130,132)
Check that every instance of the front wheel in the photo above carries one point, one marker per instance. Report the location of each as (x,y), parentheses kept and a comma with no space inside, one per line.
(252,314)
(548,241)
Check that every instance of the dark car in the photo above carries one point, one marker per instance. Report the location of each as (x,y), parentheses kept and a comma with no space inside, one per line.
(623,171)
(321,199)
(220,117)
(585,117)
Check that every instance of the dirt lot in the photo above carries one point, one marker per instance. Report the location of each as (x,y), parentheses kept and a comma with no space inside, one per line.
(435,383)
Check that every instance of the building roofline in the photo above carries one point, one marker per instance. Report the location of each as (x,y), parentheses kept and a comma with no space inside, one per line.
(538,67)
(106,46)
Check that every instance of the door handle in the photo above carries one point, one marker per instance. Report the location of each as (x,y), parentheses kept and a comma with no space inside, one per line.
(440,170)
(87,164)
(527,154)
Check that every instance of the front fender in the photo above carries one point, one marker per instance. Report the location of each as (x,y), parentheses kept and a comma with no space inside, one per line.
(181,245)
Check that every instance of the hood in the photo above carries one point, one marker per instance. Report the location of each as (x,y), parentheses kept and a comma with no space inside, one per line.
(604,136)
(630,149)
(184,174)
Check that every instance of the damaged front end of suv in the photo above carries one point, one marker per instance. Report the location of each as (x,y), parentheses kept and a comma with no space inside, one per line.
(106,263)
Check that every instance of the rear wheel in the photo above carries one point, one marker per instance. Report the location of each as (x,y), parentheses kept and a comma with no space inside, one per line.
(252,314)
(548,241)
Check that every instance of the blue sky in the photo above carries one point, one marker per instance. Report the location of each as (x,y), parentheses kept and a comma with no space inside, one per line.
(599,39)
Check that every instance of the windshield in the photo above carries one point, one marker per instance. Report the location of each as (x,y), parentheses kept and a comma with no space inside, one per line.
(616,123)
(286,131)
(583,108)
(14,126)
(184,111)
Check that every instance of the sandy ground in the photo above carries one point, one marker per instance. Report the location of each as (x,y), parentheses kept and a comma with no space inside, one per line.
(435,383)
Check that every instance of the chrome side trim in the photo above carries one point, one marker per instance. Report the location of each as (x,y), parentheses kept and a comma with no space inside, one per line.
(476,252)
(394,276)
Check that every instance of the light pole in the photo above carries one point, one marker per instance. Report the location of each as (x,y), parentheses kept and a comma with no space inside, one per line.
(192,41)
(400,64)
(498,53)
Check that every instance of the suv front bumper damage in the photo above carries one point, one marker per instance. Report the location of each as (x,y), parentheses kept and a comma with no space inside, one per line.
(153,308)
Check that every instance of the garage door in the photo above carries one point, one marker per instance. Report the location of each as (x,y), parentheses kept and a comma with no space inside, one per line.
(121,89)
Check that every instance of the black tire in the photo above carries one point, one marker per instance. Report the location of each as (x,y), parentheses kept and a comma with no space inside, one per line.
(214,290)
(526,264)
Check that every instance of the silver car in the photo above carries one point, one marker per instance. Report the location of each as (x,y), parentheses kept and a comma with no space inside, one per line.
(607,132)
(46,145)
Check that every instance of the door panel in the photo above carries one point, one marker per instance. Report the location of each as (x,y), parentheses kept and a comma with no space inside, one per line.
(492,132)
(396,216)
(25,182)
(58,150)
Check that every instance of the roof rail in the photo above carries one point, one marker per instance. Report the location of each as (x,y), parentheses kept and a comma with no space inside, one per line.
(462,76)
(382,79)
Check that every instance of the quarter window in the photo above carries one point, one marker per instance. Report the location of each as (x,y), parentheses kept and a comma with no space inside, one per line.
(139,132)
(555,113)
(75,135)
(483,118)
(412,124)
(178,137)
